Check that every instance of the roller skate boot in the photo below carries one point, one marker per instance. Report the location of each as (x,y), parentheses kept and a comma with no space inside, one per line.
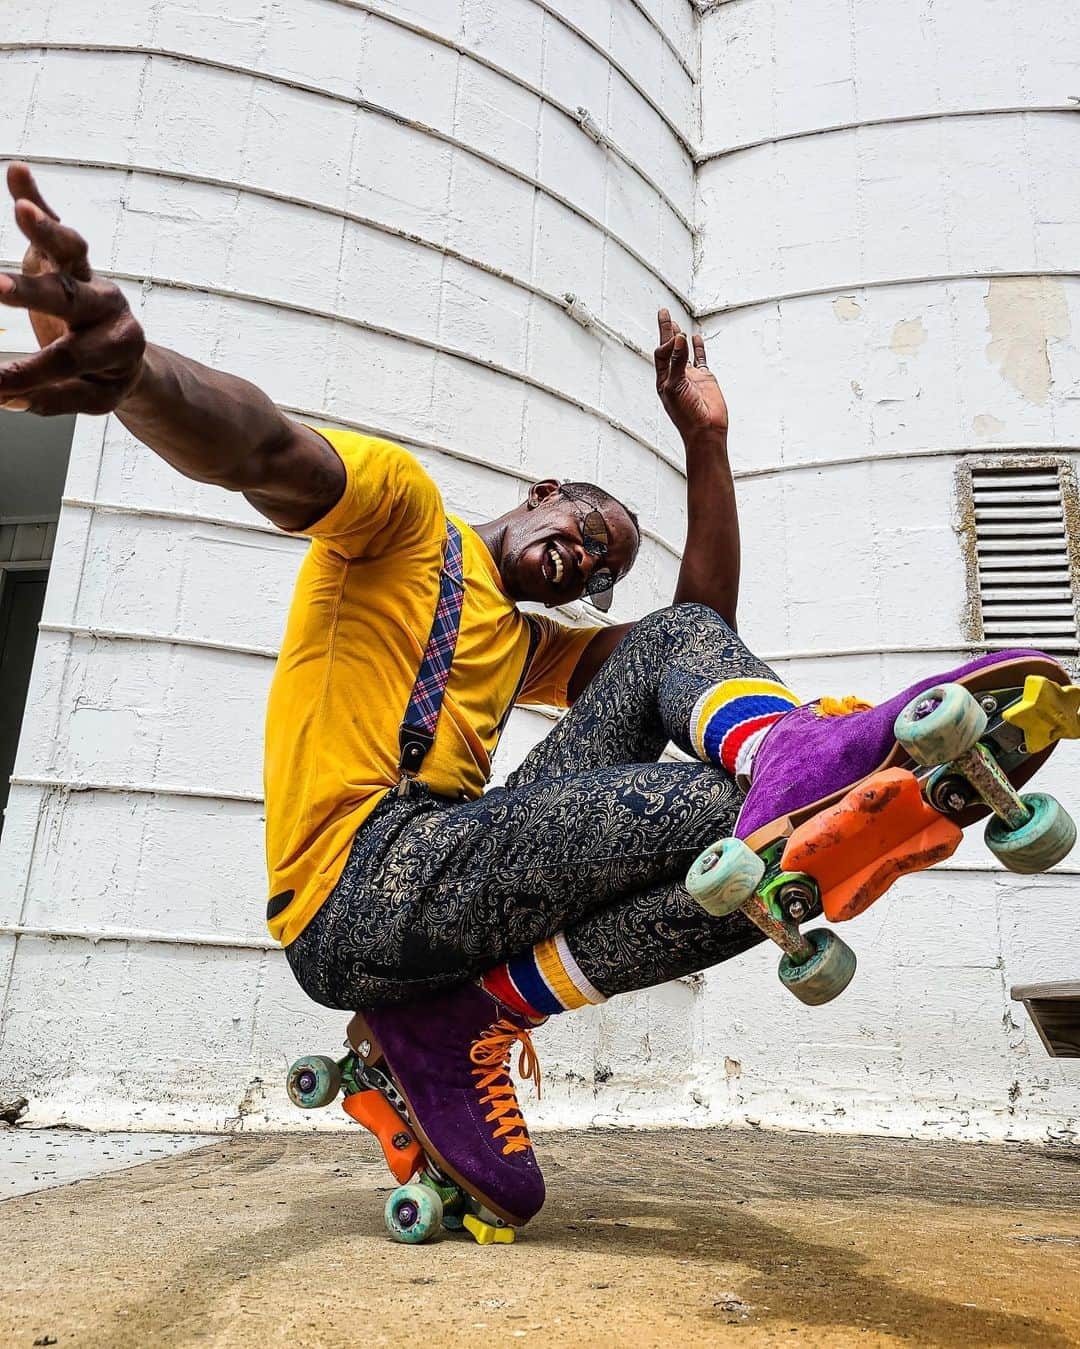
(432,1081)
(844,798)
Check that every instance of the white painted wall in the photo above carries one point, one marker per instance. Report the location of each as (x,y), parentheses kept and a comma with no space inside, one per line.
(889,275)
(377,211)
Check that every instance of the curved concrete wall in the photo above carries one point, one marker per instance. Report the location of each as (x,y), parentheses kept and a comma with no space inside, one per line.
(381,214)
(890,262)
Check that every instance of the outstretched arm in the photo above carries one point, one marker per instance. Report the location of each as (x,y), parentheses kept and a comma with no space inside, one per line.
(94,358)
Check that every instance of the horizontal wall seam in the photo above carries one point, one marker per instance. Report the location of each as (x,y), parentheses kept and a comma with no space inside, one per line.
(257,527)
(158,639)
(136,789)
(363,105)
(441,40)
(904,119)
(147,937)
(410,339)
(891,456)
(539,4)
(676,130)
(942,278)
(352,217)
(963,649)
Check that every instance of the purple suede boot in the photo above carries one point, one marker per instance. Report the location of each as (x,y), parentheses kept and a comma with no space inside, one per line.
(450,1058)
(808,759)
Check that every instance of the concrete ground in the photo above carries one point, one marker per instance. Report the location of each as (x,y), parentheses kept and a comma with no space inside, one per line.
(648,1239)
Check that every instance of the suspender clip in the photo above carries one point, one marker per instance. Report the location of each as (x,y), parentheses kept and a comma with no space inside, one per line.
(414,743)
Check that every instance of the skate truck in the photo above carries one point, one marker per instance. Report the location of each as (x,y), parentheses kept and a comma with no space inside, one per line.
(961,750)
(426,1199)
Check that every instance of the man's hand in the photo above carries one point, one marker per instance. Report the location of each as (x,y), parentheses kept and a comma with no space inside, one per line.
(92,347)
(689,393)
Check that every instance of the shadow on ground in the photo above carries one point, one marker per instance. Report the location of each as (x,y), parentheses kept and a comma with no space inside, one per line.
(647,1238)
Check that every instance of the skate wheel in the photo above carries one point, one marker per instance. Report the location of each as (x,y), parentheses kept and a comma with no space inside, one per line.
(1038,845)
(825,975)
(313,1081)
(413,1213)
(939,725)
(725,876)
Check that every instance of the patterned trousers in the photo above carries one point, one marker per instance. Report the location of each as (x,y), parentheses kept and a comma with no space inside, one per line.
(589,835)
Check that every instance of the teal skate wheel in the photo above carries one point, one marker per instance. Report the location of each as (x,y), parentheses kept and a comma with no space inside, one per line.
(825,975)
(939,725)
(724,877)
(413,1213)
(1038,845)
(313,1081)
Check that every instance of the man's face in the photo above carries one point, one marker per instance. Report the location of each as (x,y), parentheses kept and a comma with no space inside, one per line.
(544,554)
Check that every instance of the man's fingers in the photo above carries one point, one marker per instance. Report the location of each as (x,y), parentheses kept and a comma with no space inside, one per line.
(23,186)
(699,352)
(78,303)
(680,352)
(67,396)
(57,361)
(65,246)
(663,320)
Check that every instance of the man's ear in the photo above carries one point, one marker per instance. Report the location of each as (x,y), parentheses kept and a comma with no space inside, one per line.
(541,491)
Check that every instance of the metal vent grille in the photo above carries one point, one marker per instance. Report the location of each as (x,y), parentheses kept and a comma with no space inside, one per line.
(1025,584)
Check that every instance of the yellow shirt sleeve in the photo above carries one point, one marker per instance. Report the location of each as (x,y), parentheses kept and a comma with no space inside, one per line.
(390,502)
(554,661)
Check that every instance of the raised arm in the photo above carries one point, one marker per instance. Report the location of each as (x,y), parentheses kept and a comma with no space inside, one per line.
(94,358)
(692,399)
(710,567)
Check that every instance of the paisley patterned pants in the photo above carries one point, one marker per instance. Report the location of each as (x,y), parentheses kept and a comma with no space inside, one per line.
(589,835)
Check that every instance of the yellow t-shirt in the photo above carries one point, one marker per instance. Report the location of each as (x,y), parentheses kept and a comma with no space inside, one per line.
(357,629)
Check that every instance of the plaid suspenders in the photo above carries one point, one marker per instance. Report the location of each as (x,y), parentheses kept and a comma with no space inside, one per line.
(417,733)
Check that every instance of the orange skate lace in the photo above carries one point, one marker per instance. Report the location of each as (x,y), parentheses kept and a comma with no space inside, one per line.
(842,707)
(491,1053)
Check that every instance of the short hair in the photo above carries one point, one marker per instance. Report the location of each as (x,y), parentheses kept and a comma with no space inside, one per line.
(598,497)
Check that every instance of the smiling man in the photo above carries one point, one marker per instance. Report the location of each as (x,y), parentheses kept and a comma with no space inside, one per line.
(455,919)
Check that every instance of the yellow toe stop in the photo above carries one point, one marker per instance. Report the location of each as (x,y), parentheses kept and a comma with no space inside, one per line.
(1047,712)
(487,1234)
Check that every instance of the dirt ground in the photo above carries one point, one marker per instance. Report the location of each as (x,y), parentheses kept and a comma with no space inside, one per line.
(648,1239)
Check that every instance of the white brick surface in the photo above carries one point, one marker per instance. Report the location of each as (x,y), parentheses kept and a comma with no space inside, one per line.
(853,555)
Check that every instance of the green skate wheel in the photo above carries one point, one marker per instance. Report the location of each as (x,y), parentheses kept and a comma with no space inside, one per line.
(825,975)
(413,1213)
(939,725)
(725,876)
(1038,845)
(313,1081)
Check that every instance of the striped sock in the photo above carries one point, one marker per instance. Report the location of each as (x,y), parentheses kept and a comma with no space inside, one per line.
(543,981)
(730,719)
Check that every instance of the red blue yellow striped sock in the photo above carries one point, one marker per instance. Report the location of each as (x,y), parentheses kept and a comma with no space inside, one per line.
(730,719)
(543,981)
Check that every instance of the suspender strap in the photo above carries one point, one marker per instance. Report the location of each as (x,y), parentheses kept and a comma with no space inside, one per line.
(417,733)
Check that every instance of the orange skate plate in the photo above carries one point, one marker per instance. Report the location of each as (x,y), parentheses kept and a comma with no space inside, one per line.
(881,830)
(376,1114)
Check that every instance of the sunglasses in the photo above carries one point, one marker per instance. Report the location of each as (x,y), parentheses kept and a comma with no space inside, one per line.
(594,539)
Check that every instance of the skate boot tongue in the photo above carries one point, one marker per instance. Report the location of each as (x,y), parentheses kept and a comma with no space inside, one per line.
(842,707)
(491,1054)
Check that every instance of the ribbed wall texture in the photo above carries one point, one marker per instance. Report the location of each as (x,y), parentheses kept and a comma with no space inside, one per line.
(889,264)
(383,214)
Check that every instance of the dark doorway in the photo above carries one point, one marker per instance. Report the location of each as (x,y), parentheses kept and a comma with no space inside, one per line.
(22,596)
(34,455)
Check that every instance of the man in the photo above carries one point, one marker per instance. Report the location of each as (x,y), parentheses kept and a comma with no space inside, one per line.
(456,919)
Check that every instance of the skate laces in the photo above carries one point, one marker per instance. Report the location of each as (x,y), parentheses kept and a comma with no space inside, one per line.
(491,1055)
(842,707)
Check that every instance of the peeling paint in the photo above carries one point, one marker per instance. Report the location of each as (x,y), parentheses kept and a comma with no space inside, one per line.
(1025,315)
(907,337)
(847,309)
(988,427)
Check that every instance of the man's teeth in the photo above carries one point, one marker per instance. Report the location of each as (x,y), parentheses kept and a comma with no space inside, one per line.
(556,564)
